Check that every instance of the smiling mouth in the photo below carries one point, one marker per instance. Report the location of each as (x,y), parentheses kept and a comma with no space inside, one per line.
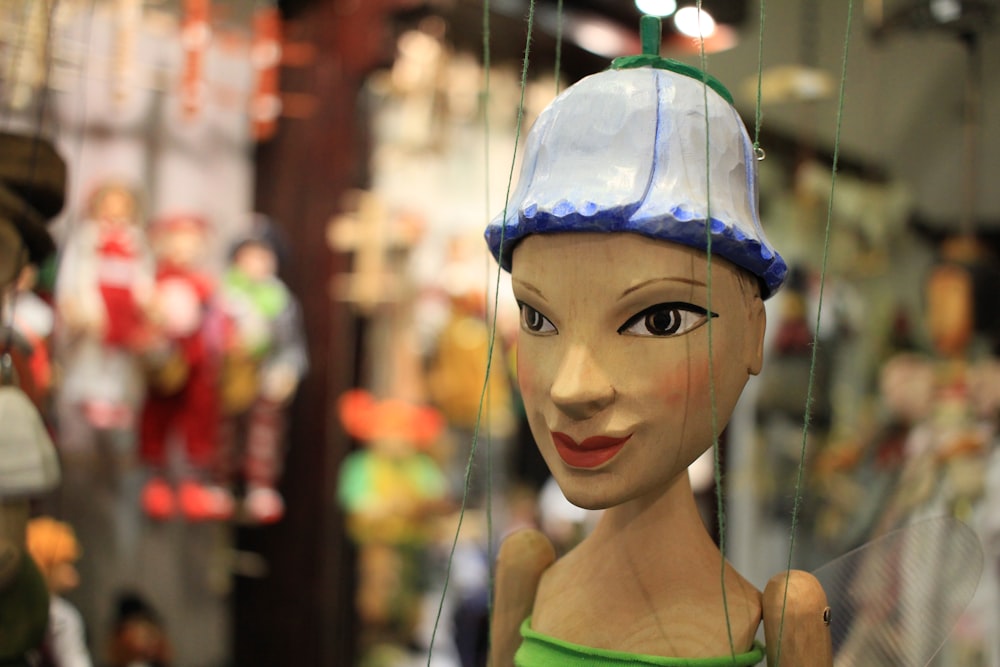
(590,453)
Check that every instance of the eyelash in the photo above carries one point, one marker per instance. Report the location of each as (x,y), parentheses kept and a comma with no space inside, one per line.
(679,311)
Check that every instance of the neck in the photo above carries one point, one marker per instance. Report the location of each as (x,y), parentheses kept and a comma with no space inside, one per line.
(653,526)
(654,579)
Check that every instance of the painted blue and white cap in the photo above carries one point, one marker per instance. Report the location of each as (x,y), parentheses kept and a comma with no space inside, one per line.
(624,150)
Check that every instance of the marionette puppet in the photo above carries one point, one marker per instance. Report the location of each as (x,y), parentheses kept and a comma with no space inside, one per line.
(949,398)
(138,636)
(264,359)
(103,290)
(392,492)
(943,403)
(28,469)
(182,363)
(640,271)
(457,367)
(32,190)
(55,549)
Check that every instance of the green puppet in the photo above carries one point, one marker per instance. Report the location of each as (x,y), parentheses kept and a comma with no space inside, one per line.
(265,358)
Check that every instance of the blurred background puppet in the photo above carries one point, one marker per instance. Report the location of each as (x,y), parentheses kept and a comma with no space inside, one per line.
(32,190)
(103,291)
(54,547)
(182,364)
(264,360)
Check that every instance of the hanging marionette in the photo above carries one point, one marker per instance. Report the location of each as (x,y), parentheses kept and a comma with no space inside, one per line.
(32,190)
(457,367)
(265,357)
(103,289)
(640,267)
(54,547)
(392,493)
(182,366)
(948,400)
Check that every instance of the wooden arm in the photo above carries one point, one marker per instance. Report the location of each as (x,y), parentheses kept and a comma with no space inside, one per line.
(805,637)
(523,558)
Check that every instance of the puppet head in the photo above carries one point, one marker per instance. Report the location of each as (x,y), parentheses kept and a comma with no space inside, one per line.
(114,204)
(255,260)
(259,252)
(960,293)
(54,548)
(389,424)
(179,239)
(635,344)
(139,635)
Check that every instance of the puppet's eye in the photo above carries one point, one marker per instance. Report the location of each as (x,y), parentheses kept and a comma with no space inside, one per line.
(534,322)
(666,319)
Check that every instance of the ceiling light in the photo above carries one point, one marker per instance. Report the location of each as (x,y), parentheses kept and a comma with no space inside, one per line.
(946,11)
(599,37)
(694,22)
(656,7)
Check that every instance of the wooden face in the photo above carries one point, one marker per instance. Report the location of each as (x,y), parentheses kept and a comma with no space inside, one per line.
(615,365)
(182,244)
(257,261)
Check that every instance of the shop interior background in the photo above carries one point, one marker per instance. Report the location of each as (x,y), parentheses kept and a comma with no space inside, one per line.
(362,132)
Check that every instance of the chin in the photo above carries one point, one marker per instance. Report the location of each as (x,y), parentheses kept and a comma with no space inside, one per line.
(587,492)
(590,501)
(597,491)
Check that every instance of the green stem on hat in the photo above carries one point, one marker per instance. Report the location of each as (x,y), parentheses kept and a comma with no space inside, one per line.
(651,37)
(651,31)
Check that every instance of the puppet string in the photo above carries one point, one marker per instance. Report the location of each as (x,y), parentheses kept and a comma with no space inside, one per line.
(758,115)
(492,342)
(714,412)
(484,101)
(819,310)
(73,217)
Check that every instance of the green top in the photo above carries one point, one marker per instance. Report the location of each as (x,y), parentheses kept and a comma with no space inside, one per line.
(650,57)
(538,650)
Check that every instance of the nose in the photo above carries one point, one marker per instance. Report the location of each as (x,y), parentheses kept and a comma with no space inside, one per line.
(580,388)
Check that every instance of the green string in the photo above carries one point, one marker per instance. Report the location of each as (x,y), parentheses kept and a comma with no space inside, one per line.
(492,340)
(484,101)
(714,410)
(819,310)
(758,108)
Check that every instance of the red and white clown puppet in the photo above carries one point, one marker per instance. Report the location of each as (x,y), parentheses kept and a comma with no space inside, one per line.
(182,404)
(104,286)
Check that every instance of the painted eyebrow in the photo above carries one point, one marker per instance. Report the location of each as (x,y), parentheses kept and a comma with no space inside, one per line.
(644,283)
(531,288)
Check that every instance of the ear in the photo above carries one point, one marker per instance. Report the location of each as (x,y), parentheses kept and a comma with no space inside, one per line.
(754,341)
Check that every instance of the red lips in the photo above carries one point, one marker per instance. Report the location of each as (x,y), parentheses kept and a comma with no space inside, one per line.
(590,453)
